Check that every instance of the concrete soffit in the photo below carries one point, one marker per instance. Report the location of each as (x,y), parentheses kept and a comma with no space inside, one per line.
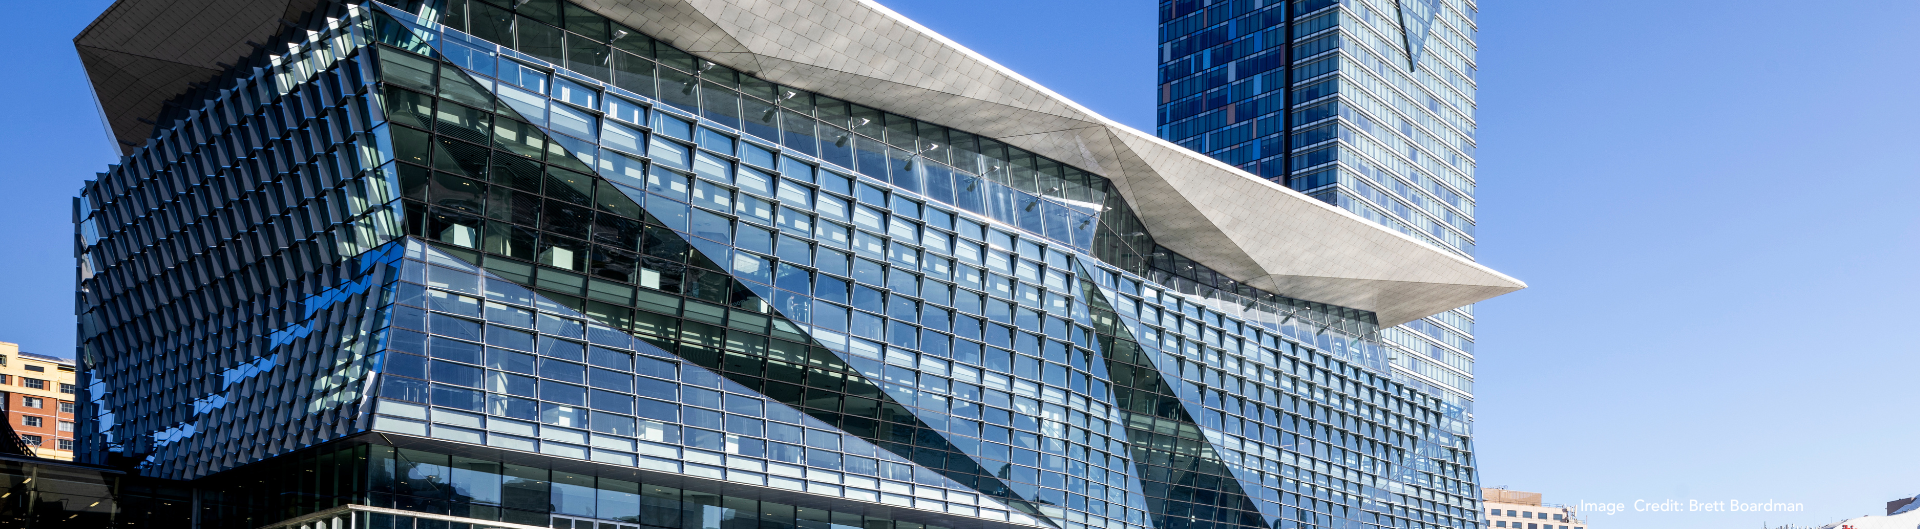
(140,53)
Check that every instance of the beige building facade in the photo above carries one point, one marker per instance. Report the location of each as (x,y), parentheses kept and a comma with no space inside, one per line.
(1512,509)
(38,400)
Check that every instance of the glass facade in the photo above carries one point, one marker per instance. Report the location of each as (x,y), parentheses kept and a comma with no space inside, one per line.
(465,262)
(226,269)
(1364,104)
(38,493)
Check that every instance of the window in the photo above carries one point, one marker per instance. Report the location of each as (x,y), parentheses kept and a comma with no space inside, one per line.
(33,383)
(1510,513)
(36,369)
(1500,523)
(29,420)
(66,426)
(30,440)
(6,379)
(63,444)
(1526,514)
(33,402)
(67,388)
(66,407)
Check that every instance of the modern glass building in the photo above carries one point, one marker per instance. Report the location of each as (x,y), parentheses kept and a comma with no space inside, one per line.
(1364,104)
(705,265)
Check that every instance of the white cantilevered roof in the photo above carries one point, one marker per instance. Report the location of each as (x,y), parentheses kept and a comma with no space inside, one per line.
(1245,227)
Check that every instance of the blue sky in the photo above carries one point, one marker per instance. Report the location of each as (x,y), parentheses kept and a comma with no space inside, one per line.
(1714,203)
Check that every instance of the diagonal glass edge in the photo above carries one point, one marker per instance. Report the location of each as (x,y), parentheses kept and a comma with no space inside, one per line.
(435,255)
(1136,498)
(1416,22)
(1153,384)
(1003,492)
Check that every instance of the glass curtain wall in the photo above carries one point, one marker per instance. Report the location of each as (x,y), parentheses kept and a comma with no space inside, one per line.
(969,172)
(878,341)
(1364,104)
(623,275)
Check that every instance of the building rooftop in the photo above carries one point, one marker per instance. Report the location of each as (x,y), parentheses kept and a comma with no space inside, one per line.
(47,358)
(1500,495)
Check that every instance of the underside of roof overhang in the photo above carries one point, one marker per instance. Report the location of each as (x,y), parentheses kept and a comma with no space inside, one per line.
(141,53)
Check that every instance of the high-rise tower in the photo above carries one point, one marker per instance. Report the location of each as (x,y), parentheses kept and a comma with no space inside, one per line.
(735,264)
(1364,104)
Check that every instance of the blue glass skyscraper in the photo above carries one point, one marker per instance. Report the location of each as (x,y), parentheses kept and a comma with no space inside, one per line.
(740,264)
(1365,104)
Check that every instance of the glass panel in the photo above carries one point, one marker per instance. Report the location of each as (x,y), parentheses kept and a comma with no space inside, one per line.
(633,73)
(407,70)
(720,105)
(622,109)
(836,146)
(523,76)
(547,11)
(587,23)
(539,40)
(799,133)
(574,122)
(679,90)
(905,170)
(900,132)
(575,92)
(589,57)
(866,121)
(755,87)
(478,58)
(491,23)
(673,58)
(623,137)
(939,182)
(872,158)
(760,119)
(622,169)
(628,40)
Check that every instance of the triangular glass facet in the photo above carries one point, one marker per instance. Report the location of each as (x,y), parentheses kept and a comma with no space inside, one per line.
(1416,21)
(719,303)
(1159,418)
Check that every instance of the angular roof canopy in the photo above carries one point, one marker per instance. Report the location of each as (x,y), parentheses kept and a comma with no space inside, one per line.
(142,52)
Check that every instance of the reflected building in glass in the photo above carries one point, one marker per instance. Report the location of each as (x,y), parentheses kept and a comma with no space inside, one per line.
(743,264)
(1365,104)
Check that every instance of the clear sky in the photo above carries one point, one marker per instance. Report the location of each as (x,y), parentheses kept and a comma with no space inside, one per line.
(1714,202)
